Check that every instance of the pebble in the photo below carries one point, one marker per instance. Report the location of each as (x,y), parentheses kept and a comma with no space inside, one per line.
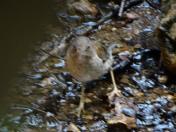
(128,112)
(114,29)
(128,91)
(61,64)
(36,76)
(162,79)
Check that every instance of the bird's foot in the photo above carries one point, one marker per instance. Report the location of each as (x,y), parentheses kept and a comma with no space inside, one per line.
(113,94)
(80,109)
(115,91)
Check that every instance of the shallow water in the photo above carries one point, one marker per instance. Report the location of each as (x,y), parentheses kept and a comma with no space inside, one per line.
(23,24)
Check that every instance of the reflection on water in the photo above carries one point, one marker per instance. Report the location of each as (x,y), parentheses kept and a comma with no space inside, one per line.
(22,25)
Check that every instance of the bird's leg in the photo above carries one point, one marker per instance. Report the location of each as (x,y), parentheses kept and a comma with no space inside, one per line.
(81,103)
(110,59)
(110,49)
(115,91)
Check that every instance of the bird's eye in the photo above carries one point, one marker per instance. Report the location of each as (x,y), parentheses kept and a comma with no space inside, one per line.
(74,48)
(103,60)
(88,47)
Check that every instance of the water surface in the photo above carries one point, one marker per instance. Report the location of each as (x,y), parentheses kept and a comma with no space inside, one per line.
(23,23)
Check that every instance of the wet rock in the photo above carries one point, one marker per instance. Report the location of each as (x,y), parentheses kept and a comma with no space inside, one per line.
(51,124)
(89,23)
(98,126)
(137,57)
(69,18)
(132,16)
(157,105)
(148,121)
(16,120)
(145,109)
(54,93)
(173,109)
(73,128)
(107,116)
(82,7)
(62,126)
(147,29)
(114,29)
(162,79)
(136,66)
(124,54)
(155,113)
(70,84)
(146,115)
(36,76)
(70,95)
(143,82)
(66,76)
(34,121)
(61,64)
(150,63)
(162,100)
(50,81)
(128,91)
(164,127)
(128,112)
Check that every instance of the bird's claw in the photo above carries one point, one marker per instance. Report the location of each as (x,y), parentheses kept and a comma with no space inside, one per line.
(113,94)
(80,109)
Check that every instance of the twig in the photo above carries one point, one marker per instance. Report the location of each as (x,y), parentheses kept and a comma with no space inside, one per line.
(121,8)
(58,57)
(23,107)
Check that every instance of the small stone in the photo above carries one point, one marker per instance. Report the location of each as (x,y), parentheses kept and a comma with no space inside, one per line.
(47,82)
(128,112)
(35,76)
(73,128)
(89,117)
(128,91)
(132,16)
(49,114)
(162,79)
(61,64)
(114,29)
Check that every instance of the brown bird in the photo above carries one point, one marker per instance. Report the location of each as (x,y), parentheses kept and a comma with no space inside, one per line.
(87,61)
(168,54)
(167,37)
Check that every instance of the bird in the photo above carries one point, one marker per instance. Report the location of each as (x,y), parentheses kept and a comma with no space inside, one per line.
(166,33)
(86,60)
(168,54)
